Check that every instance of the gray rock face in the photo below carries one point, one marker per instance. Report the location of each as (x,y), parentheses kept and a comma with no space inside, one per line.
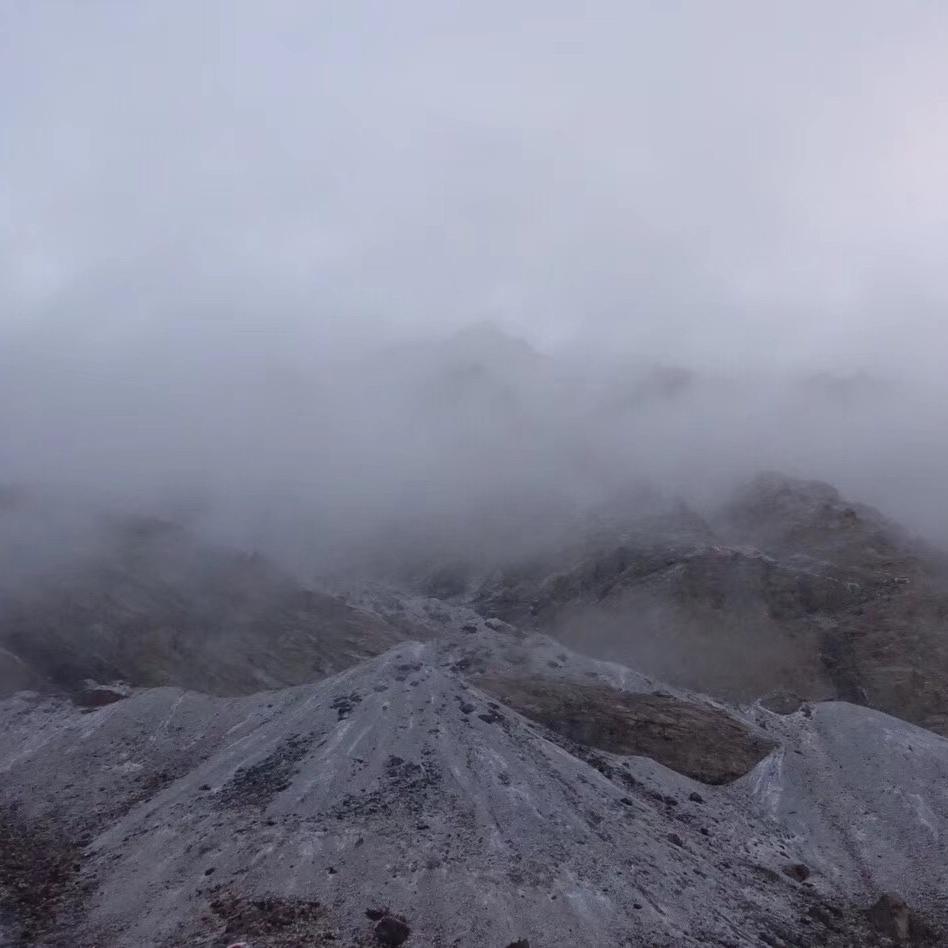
(399,788)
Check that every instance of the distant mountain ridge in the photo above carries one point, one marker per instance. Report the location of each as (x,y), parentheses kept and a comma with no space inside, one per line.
(152,606)
(789,587)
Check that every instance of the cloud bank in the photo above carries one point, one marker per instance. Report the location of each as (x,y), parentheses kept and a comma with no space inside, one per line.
(240,247)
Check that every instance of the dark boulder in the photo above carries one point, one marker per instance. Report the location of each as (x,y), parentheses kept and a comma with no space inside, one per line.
(391,930)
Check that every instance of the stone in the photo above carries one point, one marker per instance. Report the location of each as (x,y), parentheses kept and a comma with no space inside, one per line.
(391,930)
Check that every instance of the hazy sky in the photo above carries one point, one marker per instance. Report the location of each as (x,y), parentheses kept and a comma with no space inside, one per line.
(697,180)
(203,204)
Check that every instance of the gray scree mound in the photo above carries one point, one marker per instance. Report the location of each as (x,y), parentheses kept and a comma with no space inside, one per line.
(398,803)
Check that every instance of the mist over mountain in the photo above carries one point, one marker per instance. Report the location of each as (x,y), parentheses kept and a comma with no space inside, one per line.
(319,456)
(253,278)
(473,474)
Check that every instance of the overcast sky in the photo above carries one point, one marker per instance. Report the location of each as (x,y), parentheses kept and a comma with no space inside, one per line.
(194,193)
(694,179)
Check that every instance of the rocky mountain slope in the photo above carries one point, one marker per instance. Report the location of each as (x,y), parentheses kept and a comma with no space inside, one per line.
(441,771)
(149,605)
(790,587)
(405,802)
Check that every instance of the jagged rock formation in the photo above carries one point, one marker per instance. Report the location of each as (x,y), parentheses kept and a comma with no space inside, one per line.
(790,587)
(399,790)
(886,642)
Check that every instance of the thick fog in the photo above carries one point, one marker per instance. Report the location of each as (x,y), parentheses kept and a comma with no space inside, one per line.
(327,276)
